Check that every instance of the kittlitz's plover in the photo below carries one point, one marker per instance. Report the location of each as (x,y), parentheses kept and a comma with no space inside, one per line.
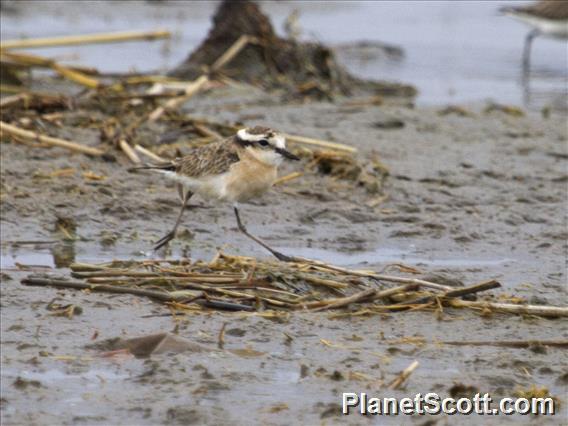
(548,18)
(236,169)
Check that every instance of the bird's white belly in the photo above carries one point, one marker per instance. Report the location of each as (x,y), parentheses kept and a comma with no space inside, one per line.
(212,187)
(546,26)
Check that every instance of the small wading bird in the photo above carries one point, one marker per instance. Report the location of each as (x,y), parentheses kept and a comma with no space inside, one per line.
(548,18)
(236,169)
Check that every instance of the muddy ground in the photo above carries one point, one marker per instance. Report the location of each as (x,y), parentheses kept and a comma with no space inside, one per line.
(469,198)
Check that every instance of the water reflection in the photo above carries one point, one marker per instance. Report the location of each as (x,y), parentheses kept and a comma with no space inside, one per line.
(63,254)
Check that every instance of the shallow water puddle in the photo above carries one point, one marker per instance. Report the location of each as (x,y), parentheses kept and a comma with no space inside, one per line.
(45,258)
(94,376)
(387,255)
(35,258)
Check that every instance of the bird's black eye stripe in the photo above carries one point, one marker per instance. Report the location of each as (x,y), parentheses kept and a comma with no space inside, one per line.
(263,142)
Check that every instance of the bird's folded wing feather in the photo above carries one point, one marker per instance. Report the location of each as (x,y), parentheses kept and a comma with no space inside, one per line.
(212,159)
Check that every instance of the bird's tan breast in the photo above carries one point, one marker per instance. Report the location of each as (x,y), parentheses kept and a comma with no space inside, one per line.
(248,179)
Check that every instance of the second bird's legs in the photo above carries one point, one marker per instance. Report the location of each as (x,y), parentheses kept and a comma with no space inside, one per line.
(276,254)
(527,51)
(171,235)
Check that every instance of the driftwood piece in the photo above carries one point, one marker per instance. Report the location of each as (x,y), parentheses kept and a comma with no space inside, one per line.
(9,129)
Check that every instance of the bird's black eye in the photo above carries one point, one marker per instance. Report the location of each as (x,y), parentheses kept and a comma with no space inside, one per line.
(263,142)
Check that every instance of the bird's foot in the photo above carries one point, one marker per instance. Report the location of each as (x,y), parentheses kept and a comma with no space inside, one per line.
(164,240)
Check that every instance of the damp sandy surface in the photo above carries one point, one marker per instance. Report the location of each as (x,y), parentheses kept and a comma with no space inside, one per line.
(454,52)
(470,198)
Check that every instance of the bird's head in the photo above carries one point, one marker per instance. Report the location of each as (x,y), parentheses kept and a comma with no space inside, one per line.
(264,144)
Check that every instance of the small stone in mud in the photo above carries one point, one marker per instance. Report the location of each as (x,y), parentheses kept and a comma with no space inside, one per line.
(538,349)
(108,238)
(459,390)
(389,123)
(22,384)
(66,225)
(332,409)
(183,415)
(304,371)
(562,380)
(337,376)
(238,332)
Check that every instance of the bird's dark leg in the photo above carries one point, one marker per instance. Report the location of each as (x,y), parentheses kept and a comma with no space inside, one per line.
(527,51)
(276,254)
(171,235)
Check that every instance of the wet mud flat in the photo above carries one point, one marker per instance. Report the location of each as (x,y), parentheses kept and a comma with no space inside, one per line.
(473,193)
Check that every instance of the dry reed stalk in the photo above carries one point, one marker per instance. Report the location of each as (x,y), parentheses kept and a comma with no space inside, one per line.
(344,301)
(537,310)
(130,153)
(205,131)
(36,137)
(325,282)
(159,295)
(319,142)
(396,383)
(149,154)
(76,76)
(476,288)
(190,90)
(288,178)
(84,39)
(232,52)
(72,73)
(369,294)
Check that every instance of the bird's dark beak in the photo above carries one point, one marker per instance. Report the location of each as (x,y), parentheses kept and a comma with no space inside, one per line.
(286,154)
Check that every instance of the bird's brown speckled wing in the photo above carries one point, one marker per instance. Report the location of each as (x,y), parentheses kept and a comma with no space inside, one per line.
(212,159)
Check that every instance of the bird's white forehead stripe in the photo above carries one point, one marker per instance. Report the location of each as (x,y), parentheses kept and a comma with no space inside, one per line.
(246,136)
(277,140)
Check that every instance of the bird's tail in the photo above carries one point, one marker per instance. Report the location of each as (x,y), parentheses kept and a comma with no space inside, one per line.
(167,166)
